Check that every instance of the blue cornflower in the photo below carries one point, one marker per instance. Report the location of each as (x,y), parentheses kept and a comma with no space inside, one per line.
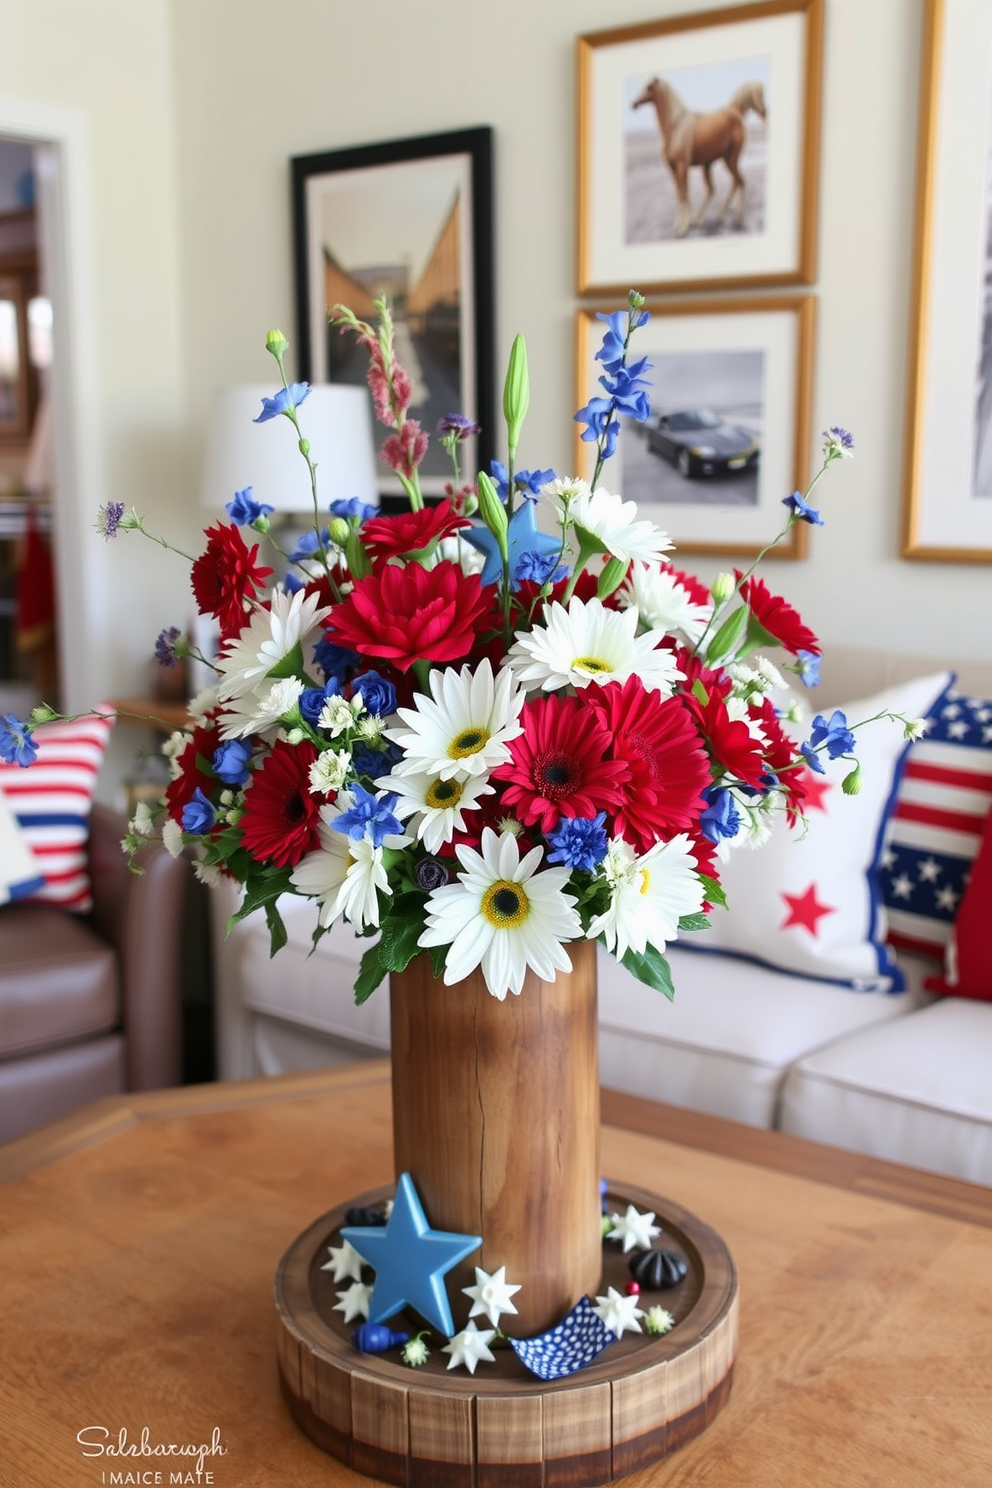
(353,507)
(198,814)
(721,818)
(579,841)
(292,584)
(230,761)
(527,482)
(830,733)
(16,744)
(601,423)
(165,646)
(797,502)
(377,693)
(308,545)
(611,352)
(108,518)
(458,424)
(522,537)
(369,817)
(244,509)
(284,399)
(539,568)
(809,668)
(838,443)
(628,390)
(335,661)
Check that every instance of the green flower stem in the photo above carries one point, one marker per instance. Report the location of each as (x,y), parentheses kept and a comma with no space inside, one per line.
(422,671)
(586,551)
(139,526)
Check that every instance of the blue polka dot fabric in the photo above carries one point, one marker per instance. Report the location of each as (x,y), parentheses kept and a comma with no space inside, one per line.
(570,1345)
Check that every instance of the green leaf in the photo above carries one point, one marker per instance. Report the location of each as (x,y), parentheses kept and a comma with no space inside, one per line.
(291,665)
(401,931)
(694,922)
(713,891)
(439,955)
(728,638)
(370,974)
(358,559)
(613,574)
(261,892)
(277,930)
(652,968)
(699,692)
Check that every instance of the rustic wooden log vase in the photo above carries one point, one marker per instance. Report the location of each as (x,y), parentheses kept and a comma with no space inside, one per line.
(496,1117)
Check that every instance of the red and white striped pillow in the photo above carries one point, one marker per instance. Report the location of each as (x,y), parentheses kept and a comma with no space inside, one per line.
(936,825)
(51,801)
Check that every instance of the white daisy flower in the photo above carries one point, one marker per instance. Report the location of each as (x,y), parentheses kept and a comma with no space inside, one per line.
(664,604)
(271,636)
(260,709)
(649,895)
(343,875)
(503,915)
(563,494)
(590,643)
(437,804)
(615,524)
(463,728)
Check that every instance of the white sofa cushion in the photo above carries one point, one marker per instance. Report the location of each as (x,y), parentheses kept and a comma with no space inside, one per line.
(917,1091)
(734,1028)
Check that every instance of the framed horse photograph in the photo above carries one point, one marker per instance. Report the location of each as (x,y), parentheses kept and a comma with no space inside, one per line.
(729,427)
(698,145)
(410,219)
(947,509)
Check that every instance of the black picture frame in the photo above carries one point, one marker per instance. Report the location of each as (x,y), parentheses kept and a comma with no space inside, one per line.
(384,190)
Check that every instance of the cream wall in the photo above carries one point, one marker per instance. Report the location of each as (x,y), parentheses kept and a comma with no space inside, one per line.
(102,70)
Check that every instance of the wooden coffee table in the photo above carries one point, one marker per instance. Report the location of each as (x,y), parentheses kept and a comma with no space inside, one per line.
(138,1244)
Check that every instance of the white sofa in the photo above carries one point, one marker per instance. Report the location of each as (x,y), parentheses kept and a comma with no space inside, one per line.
(897,1076)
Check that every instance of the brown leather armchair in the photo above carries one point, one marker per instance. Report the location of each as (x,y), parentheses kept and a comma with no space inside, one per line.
(92,1006)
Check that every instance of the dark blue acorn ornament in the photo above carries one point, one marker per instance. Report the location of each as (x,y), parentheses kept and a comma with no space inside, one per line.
(359,1216)
(376,1338)
(657,1269)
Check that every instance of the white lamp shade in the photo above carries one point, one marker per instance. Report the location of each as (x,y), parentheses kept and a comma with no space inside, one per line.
(335,418)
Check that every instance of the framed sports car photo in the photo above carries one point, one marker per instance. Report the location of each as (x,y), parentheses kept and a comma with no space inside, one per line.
(728,436)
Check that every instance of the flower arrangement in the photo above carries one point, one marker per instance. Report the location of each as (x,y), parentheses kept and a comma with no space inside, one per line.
(490,727)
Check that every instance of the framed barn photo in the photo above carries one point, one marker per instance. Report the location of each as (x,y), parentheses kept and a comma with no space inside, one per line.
(728,437)
(947,506)
(411,219)
(698,145)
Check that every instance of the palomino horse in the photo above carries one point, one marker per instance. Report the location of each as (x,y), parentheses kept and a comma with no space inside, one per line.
(696,139)
(750,96)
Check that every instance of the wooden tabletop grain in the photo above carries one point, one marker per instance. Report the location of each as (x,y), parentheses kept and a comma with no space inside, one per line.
(138,1244)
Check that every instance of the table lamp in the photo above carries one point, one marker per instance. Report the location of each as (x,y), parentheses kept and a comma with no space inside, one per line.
(334,417)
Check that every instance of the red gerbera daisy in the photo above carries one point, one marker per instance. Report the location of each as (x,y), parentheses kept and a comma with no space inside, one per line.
(281,817)
(407,613)
(559,764)
(411,532)
(730,740)
(180,791)
(668,769)
(778,617)
(225,576)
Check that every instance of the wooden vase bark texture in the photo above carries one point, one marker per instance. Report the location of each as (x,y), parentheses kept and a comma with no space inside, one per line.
(496,1117)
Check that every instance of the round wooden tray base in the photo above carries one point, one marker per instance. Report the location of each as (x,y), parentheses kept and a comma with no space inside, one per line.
(503,1427)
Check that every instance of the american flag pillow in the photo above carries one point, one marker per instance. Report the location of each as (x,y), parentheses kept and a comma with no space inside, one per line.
(936,826)
(51,801)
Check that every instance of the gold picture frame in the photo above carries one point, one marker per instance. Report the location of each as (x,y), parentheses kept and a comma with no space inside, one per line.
(947,495)
(749,363)
(742,84)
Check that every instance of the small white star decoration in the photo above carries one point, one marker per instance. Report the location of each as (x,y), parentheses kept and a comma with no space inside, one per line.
(469,1346)
(491,1294)
(345,1262)
(618,1312)
(354,1302)
(633,1229)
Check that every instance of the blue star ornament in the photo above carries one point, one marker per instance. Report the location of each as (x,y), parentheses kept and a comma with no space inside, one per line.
(410,1260)
(523,536)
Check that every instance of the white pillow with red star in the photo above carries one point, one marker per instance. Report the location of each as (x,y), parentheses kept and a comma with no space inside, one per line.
(810,902)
